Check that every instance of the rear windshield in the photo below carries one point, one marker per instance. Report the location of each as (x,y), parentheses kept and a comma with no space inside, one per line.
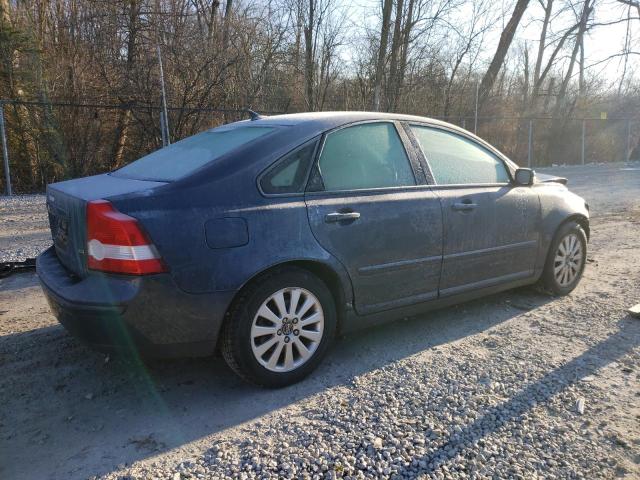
(183,157)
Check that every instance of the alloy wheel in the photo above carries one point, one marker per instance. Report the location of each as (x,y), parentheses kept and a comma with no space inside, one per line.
(568,260)
(287,329)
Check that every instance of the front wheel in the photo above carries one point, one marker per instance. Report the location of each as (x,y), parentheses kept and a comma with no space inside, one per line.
(279,328)
(566,260)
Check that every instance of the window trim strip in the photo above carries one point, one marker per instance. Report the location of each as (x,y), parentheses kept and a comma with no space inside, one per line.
(396,125)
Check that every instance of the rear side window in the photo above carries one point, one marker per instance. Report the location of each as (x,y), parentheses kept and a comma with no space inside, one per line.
(187,155)
(455,160)
(289,175)
(364,156)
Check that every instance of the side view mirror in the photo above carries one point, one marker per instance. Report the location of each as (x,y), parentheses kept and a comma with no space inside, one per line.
(524,176)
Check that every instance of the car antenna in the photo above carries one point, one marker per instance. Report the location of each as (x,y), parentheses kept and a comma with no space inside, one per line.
(254,115)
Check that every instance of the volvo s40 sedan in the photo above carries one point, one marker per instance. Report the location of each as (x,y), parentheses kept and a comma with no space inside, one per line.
(265,237)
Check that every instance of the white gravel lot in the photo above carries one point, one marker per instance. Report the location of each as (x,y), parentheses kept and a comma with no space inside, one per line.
(24,227)
(517,385)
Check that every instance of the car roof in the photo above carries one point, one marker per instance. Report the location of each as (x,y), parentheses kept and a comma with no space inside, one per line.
(300,127)
(335,119)
(316,122)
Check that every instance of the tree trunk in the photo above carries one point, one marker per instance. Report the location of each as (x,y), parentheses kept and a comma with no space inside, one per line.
(404,51)
(581,82)
(452,77)
(4,12)
(582,27)
(559,111)
(211,22)
(526,74)
(543,75)
(124,116)
(122,129)
(503,47)
(228,10)
(393,65)
(382,53)
(308,68)
(543,40)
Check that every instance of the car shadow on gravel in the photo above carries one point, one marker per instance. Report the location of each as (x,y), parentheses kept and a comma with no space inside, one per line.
(17,282)
(615,346)
(84,409)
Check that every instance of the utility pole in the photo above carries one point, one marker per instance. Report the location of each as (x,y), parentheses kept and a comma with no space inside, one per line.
(163,129)
(164,100)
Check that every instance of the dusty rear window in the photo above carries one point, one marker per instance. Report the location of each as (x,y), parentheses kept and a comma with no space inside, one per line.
(187,155)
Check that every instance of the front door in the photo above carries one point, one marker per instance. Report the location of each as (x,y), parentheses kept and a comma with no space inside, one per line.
(365,208)
(491,226)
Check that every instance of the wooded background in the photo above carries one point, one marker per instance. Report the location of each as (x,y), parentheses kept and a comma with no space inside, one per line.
(85,84)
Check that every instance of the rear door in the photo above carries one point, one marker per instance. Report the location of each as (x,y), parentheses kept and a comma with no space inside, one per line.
(369,207)
(491,226)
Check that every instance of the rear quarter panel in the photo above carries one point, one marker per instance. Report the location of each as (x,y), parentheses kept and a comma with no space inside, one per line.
(182,218)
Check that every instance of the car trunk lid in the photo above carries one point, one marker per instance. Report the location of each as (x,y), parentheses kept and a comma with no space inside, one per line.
(66,206)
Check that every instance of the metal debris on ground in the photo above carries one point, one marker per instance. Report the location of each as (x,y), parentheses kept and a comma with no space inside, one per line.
(7,268)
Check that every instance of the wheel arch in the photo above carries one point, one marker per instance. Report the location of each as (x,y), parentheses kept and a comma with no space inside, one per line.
(580,220)
(337,282)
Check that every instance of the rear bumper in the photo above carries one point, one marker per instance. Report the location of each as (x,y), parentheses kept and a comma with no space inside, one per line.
(149,315)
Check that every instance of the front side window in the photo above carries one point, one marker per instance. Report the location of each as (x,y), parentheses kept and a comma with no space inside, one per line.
(364,156)
(184,157)
(290,173)
(455,160)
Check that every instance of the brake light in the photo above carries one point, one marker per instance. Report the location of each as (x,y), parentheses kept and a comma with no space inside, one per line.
(116,243)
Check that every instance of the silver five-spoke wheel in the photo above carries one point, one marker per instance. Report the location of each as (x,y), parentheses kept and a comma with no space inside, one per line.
(287,329)
(568,260)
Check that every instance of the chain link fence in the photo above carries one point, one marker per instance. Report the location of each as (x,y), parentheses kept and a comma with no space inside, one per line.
(543,141)
(44,142)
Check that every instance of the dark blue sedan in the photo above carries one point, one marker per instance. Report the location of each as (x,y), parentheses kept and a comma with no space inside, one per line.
(266,237)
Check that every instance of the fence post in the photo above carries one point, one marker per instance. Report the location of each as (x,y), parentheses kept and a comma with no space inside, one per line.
(584,131)
(5,150)
(529,151)
(163,129)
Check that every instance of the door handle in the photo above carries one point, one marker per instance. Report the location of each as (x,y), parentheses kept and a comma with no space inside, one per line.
(341,216)
(464,206)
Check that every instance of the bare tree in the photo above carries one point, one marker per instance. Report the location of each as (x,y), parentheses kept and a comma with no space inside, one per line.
(382,53)
(470,35)
(506,38)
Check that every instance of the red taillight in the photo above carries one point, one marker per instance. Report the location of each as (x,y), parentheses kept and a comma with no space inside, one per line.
(117,244)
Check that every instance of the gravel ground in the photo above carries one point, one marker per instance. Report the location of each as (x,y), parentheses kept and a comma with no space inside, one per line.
(24,227)
(517,385)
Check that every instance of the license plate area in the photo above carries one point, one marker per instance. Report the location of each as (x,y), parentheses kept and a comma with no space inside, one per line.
(59,224)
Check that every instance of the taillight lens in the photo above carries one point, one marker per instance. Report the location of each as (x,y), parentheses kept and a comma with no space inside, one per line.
(116,243)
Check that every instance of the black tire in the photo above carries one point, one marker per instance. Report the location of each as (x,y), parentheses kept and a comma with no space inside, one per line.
(236,342)
(548,281)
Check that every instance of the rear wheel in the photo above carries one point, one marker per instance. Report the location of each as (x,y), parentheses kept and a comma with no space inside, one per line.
(279,328)
(566,259)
